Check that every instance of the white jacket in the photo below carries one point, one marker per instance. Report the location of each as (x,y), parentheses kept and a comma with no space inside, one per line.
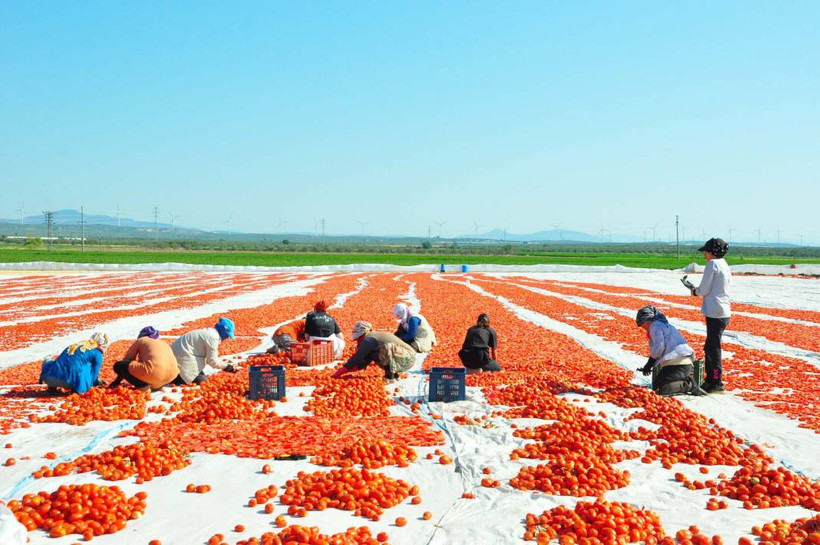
(195,350)
(714,288)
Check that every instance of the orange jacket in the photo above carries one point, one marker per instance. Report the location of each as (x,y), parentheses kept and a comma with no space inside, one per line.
(294,329)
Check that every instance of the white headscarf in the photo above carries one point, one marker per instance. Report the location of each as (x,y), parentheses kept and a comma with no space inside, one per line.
(402,312)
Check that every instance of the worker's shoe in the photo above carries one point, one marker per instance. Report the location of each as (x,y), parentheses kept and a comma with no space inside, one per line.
(696,390)
(52,391)
(711,387)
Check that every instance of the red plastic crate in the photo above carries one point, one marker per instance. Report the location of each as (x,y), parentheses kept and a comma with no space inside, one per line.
(311,353)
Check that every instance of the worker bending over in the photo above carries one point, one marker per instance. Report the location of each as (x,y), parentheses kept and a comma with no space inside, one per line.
(320,326)
(287,334)
(77,368)
(199,348)
(148,364)
(667,349)
(414,329)
(389,352)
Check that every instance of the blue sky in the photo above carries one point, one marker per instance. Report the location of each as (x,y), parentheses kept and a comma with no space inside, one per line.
(401,114)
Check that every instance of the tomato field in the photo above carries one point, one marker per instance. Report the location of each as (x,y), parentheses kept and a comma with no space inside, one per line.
(566,444)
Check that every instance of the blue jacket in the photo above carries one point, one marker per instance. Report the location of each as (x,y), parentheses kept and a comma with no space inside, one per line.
(79,370)
(408,334)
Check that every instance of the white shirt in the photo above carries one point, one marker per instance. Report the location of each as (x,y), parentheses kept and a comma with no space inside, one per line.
(714,288)
(195,350)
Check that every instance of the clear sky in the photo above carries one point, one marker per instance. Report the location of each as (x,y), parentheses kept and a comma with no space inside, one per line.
(401,114)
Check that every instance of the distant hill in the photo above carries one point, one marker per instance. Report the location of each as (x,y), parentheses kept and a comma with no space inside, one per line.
(553,235)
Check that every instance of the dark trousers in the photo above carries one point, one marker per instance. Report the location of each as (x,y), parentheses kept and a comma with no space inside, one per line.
(121,368)
(712,349)
(674,379)
(478,359)
(199,379)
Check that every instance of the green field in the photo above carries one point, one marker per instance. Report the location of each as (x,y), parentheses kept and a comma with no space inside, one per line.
(291,259)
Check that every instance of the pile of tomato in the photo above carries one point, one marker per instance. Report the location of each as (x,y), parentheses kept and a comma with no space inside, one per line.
(370,454)
(88,509)
(803,530)
(366,493)
(277,436)
(222,397)
(350,396)
(99,404)
(595,523)
(571,474)
(762,486)
(310,535)
(145,460)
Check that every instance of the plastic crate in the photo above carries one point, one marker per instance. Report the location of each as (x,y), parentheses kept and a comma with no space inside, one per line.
(447,384)
(312,353)
(267,382)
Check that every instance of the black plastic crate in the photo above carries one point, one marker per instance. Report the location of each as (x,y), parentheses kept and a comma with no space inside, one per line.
(447,384)
(267,382)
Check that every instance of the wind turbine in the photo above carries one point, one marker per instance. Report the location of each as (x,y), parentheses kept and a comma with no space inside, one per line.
(560,233)
(477,227)
(173,221)
(730,229)
(22,211)
(654,228)
(229,221)
(280,224)
(363,223)
(440,225)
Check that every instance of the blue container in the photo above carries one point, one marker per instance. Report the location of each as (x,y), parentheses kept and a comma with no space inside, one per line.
(267,382)
(447,384)
(442,269)
(465,268)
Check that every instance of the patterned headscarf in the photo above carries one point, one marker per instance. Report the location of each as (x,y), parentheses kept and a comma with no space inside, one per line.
(402,312)
(361,328)
(650,314)
(97,340)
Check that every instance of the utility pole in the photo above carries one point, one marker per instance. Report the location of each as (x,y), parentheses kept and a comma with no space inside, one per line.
(677,236)
(156,223)
(429,228)
(119,219)
(49,215)
(323,230)
(778,236)
(82,228)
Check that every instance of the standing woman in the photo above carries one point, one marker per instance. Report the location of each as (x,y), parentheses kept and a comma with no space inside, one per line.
(77,368)
(714,288)
(478,351)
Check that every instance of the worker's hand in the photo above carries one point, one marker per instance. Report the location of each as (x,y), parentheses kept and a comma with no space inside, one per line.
(230,368)
(340,371)
(647,368)
(694,292)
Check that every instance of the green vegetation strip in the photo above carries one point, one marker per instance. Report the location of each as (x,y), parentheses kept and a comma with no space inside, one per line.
(290,259)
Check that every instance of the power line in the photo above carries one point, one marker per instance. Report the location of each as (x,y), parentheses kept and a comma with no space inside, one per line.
(49,219)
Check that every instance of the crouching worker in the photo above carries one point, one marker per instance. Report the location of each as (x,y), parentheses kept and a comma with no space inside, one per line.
(478,352)
(320,326)
(196,349)
(668,349)
(148,364)
(414,329)
(287,334)
(77,368)
(389,352)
